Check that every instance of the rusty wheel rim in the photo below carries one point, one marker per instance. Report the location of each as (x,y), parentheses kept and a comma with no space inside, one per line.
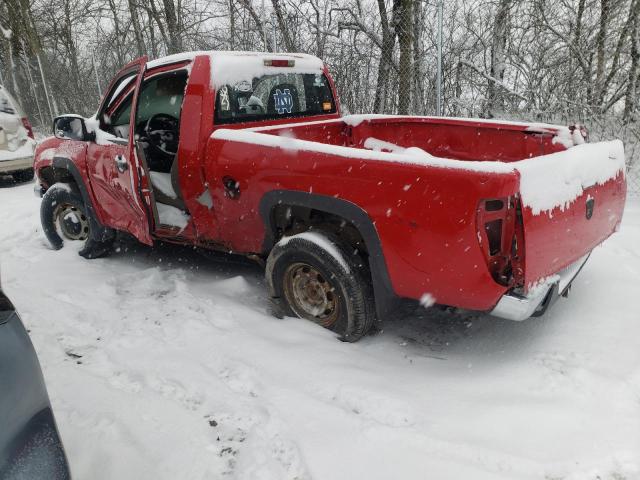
(311,295)
(71,221)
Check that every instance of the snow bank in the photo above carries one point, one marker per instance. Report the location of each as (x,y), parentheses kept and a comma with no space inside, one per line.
(183,374)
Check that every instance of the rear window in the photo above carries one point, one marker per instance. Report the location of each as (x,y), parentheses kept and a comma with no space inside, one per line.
(274,96)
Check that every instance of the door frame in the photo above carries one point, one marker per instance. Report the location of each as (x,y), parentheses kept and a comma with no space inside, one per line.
(129,179)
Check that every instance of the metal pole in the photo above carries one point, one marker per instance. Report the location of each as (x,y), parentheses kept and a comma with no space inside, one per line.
(95,69)
(439,76)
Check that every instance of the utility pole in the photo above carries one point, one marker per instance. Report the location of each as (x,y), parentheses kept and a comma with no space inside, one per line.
(439,74)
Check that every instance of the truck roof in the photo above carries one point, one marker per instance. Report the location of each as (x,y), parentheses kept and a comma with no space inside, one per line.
(232,67)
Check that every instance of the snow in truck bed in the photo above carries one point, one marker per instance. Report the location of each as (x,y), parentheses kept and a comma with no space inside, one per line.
(165,365)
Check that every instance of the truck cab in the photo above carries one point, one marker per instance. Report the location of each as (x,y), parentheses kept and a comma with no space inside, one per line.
(142,158)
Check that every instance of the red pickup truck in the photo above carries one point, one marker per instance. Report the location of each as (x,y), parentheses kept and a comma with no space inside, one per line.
(248,153)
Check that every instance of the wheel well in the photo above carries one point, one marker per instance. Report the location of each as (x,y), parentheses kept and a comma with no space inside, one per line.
(290,211)
(294,219)
(51,175)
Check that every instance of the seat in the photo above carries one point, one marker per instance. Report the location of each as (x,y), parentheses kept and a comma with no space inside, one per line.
(166,186)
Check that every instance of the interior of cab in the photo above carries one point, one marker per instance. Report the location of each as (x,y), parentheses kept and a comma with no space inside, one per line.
(157,130)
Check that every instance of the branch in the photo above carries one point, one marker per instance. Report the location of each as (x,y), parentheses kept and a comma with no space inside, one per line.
(494,80)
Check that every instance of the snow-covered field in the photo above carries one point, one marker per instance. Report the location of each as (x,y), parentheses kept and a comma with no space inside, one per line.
(163,364)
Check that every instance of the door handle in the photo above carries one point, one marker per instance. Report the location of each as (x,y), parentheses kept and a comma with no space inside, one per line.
(121,163)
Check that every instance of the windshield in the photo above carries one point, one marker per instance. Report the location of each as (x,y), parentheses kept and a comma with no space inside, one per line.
(274,96)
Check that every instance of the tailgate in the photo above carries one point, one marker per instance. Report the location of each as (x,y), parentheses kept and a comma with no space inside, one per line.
(571,202)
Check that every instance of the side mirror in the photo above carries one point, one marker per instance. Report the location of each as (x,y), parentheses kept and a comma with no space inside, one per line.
(71,127)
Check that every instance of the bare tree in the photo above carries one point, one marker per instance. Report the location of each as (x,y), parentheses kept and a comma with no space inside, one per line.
(175,43)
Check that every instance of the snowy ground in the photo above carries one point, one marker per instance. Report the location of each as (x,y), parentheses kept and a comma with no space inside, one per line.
(164,365)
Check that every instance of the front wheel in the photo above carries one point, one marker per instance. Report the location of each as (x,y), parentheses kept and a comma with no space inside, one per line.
(313,276)
(64,217)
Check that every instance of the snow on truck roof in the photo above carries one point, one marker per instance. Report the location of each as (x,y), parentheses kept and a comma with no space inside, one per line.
(232,67)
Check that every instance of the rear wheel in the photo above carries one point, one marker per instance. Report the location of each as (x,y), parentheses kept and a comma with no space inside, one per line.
(313,276)
(64,217)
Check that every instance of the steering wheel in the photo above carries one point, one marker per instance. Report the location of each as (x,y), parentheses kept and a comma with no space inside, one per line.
(162,132)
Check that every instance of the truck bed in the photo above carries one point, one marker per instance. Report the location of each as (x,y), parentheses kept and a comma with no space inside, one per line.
(432,214)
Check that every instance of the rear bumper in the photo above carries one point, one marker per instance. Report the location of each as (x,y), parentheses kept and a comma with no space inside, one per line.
(16,164)
(520,307)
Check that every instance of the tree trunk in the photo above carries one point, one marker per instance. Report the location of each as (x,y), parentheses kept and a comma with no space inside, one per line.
(152,36)
(605,9)
(630,102)
(175,43)
(495,97)
(386,59)
(156,17)
(117,31)
(259,25)
(289,44)
(232,25)
(135,23)
(418,81)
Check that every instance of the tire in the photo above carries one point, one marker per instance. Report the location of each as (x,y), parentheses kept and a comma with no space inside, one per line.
(314,276)
(63,212)
(23,175)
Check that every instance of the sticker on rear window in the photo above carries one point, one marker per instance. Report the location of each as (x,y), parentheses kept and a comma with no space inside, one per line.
(224,99)
(283,101)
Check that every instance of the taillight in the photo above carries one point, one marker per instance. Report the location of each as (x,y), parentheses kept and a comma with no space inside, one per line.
(501,239)
(27,126)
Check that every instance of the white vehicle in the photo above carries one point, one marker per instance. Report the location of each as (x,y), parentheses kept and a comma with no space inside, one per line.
(16,139)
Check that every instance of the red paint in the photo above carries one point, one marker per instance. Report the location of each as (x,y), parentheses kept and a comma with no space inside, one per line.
(431,220)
